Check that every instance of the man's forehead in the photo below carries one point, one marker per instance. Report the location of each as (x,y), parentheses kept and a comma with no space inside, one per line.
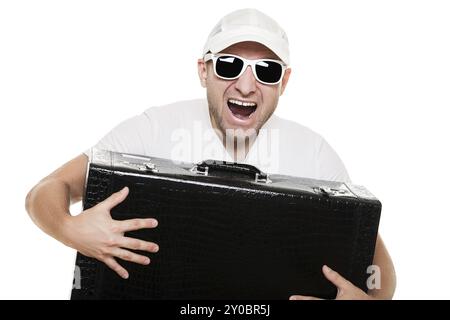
(251,50)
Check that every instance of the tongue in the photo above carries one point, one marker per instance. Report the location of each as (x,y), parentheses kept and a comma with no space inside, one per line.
(241,111)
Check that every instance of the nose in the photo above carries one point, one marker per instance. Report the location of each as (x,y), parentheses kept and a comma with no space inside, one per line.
(246,84)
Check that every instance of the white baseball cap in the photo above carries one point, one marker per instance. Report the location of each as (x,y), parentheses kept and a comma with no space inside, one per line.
(248,25)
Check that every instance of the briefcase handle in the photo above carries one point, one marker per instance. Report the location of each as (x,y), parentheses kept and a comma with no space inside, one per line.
(205,167)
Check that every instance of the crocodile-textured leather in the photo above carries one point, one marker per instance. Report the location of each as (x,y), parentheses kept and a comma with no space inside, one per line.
(226,236)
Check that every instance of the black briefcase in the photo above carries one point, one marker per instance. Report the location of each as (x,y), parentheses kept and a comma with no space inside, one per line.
(229,231)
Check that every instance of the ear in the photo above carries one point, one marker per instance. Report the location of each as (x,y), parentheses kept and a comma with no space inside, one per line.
(202,72)
(285,80)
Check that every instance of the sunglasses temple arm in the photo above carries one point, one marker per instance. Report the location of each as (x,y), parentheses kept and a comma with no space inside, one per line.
(208,57)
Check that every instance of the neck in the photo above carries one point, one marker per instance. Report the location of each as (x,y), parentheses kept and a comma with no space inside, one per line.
(237,145)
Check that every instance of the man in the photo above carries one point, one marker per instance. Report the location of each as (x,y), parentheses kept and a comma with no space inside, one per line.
(245,69)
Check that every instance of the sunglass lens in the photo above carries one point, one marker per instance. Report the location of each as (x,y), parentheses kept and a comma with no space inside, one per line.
(228,66)
(269,71)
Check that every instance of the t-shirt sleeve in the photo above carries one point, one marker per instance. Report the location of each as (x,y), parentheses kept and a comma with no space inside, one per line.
(329,165)
(128,137)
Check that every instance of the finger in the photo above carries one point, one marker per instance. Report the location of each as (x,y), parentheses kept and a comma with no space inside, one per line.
(136,244)
(137,224)
(298,297)
(130,256)
(339,281)
(112,263)
(116,198)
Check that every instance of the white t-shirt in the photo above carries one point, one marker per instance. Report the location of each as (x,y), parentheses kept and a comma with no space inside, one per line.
(182,131)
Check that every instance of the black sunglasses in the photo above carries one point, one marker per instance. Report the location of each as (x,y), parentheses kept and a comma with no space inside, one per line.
(230,67)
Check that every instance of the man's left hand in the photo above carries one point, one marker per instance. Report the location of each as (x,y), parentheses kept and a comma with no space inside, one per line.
(346,290)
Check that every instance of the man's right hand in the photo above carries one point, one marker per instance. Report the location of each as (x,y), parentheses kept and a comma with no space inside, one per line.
(95,234)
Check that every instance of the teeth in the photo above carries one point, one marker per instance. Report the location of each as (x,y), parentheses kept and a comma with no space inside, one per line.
(241,103)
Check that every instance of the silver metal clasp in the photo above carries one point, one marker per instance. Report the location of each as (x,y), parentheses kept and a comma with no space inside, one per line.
(203,170)
(334,192)
(262,178)
(149,166)
(144,167)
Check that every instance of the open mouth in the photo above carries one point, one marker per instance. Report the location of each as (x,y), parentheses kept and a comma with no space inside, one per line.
(241,109)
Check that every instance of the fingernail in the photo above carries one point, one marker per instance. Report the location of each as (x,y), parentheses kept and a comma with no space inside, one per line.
(326,268)
(154,223)
(125,275)
(156,248)
(292,298)
(124,189)
(147,261)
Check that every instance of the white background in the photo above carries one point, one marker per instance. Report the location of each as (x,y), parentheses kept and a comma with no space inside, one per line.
(373,77)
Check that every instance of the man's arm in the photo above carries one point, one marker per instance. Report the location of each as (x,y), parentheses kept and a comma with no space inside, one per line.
(49,201)
(388,278)
(93,232)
